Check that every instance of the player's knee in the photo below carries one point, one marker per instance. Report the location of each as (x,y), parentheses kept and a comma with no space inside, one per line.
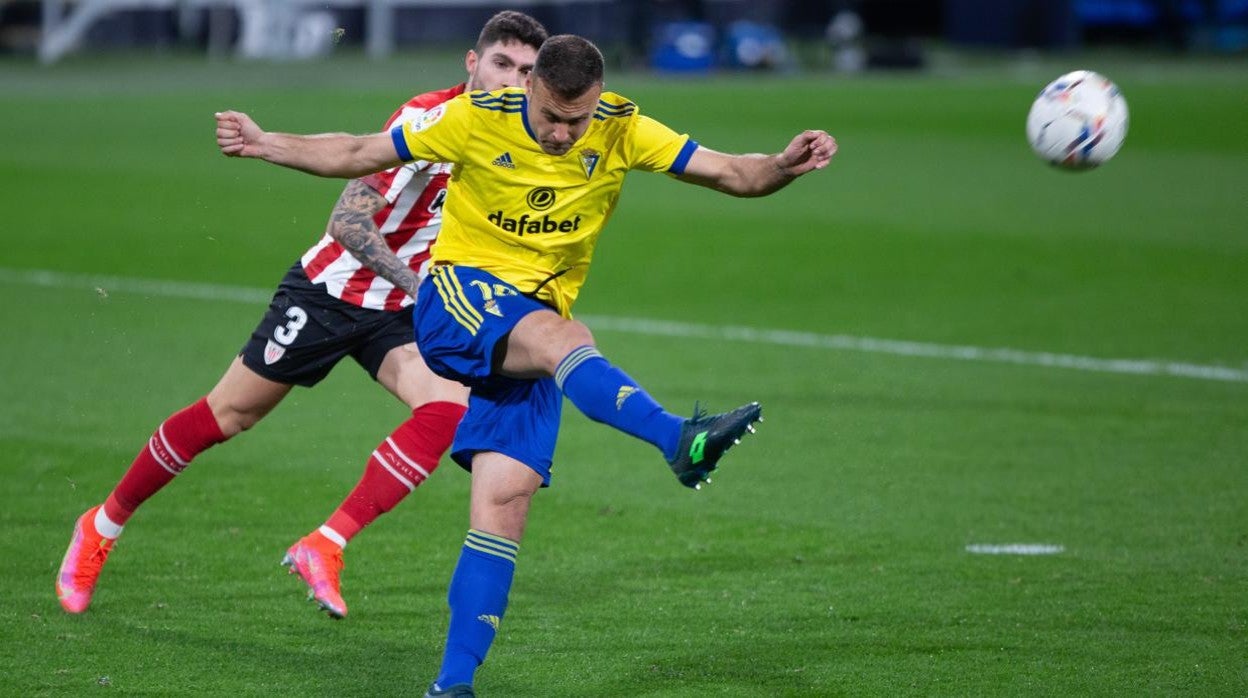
(504,513)
(512,500)
(430,389)
(579,335)
(233,420)
(572,335)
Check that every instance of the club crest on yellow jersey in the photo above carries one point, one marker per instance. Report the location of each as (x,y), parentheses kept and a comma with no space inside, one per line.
(589,161)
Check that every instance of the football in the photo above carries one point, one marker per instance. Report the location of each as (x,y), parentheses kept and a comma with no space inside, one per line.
(1078,121)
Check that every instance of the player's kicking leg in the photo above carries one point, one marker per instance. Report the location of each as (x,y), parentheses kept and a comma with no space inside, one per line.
(240,399)
(398,465)
(604,393)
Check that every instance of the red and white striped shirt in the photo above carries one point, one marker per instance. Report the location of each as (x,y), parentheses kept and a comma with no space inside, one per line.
(410,223)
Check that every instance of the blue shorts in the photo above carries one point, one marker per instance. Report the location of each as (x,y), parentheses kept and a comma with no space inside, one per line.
(461,315)
(517,418)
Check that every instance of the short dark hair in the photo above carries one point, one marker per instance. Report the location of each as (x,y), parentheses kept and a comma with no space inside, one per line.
(508,26)
(568,65)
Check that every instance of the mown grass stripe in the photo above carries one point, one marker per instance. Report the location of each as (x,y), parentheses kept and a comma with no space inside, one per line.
(643,326)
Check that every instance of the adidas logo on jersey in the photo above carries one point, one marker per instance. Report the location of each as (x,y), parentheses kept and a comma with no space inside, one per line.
(504,160)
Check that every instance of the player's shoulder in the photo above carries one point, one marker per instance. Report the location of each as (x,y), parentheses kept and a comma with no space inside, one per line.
(507,100)
(613,106)
(421,103)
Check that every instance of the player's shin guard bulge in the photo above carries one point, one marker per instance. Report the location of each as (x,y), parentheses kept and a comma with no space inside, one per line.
(703,440)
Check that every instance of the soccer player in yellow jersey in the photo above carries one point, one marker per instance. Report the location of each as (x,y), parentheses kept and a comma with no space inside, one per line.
(536,175)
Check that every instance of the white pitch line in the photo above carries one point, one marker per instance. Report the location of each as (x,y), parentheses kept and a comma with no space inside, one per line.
(687,330)
(872,345)
(134,285)
(1015,549)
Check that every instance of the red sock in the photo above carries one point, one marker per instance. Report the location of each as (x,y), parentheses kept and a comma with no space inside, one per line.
(181,437)
(400,463)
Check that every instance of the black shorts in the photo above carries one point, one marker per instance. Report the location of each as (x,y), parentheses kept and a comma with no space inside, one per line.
(306,332)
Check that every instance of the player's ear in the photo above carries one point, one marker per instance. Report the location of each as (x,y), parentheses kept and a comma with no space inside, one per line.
(470,61)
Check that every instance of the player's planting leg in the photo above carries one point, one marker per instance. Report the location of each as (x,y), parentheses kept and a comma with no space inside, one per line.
(397,467)
(502,489)
(171,448)
(478,600)
(606,394)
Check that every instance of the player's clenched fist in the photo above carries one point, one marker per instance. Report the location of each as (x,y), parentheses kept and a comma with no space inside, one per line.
(809,150)
(237,134)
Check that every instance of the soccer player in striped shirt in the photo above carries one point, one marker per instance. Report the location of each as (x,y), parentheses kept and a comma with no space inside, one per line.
(350,295)
(537,174)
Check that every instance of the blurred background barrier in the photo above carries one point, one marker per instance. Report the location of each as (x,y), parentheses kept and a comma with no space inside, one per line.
(684,47)
(668,35)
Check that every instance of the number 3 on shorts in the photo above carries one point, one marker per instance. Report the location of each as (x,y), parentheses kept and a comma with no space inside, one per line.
(287,333)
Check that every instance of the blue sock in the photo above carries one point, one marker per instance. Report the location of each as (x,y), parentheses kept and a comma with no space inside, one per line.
(478,598)
(606,394)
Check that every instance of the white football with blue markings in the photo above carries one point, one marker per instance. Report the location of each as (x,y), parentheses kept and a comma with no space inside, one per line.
(1078,121)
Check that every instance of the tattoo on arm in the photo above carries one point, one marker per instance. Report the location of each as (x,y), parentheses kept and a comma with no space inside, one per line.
(351,224)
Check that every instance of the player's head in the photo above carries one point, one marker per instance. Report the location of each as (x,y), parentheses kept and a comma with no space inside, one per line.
(505,51)
(563,91)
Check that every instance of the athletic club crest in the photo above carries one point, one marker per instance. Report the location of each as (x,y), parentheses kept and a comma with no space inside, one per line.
(589,161)
(273,352)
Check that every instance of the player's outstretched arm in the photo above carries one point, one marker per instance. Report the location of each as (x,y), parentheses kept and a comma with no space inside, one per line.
(760,175)
(327,154)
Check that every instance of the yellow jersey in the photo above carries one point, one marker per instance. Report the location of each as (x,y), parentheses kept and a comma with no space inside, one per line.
(530,218)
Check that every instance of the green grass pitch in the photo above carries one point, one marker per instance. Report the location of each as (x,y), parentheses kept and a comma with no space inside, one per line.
(830,555)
